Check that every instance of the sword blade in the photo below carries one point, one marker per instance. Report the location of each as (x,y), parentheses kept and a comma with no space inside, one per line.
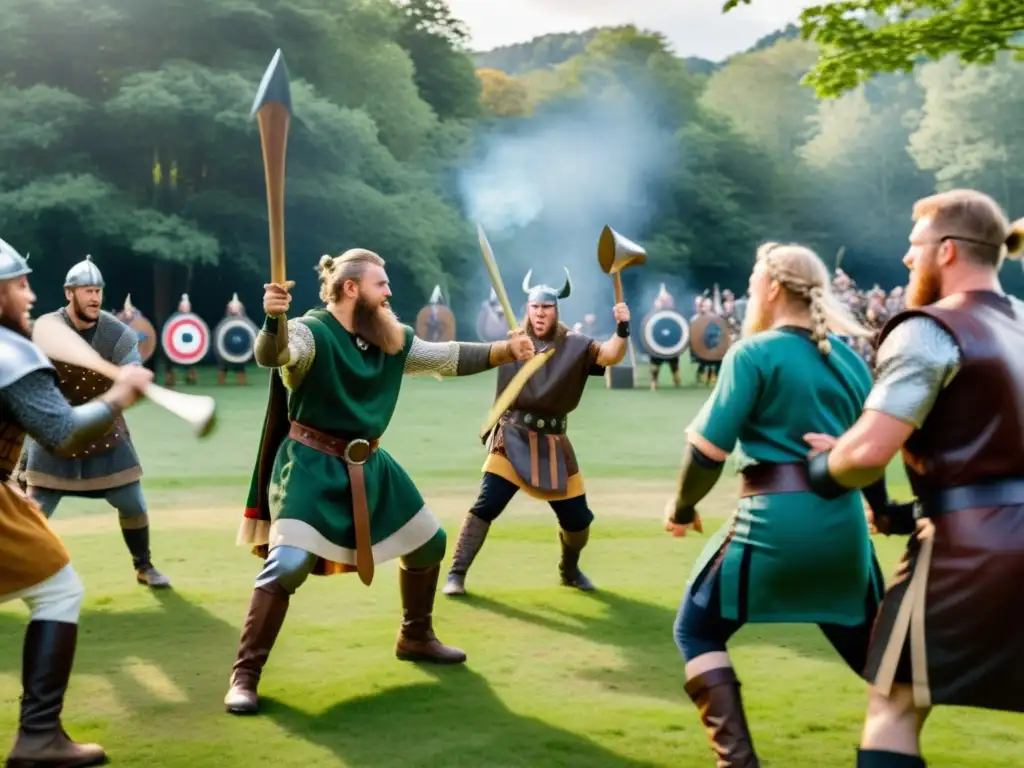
(495,275)
(508,395)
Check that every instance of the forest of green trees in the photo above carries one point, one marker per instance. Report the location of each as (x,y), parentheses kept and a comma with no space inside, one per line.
(127,135)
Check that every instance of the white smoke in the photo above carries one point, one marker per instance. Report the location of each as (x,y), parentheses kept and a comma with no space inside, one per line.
(544,190)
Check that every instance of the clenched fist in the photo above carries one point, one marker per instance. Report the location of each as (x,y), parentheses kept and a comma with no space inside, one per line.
(621,313)
(521,346)
(277,299)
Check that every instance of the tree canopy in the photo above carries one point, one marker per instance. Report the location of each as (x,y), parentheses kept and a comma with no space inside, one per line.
(862,38)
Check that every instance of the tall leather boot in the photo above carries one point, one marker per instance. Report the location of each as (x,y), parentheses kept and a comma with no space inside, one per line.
(267,609)
(717,696)
(137,541)
(416,638)
(222,378)
(569,565)
(471,539)
(879,758)
(46,669)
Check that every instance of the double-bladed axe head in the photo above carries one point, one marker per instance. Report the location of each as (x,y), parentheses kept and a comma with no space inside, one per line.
(615,252)
(274,88)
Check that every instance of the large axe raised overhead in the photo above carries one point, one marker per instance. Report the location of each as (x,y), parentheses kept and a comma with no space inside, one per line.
(614,254)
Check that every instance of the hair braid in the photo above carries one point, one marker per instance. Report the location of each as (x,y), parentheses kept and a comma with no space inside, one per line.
(819,322)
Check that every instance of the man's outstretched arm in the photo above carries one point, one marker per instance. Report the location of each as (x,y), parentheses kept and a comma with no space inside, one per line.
(455,358)
(915,363)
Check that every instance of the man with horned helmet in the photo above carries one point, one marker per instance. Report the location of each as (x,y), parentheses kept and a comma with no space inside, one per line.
(108,467)
(528,448)
(34,565)
(325,497)
(949,396)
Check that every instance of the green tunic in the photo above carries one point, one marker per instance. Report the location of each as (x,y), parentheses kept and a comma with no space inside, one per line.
(349,393)
(800,558)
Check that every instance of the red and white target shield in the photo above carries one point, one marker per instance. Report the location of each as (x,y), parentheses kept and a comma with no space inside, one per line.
(185,339)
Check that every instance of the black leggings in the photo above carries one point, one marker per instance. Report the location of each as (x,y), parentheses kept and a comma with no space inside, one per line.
(496,492)
(700,630)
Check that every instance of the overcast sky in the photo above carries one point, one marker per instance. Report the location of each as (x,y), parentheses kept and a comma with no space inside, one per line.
(694,27)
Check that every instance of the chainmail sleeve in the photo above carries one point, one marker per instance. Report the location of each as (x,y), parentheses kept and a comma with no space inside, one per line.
(301,351)
(429,358)
(42,411)
(915,362)
(126,351)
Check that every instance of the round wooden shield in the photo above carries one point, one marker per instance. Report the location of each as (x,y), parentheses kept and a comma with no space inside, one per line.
(435,322)
(145,331)
(490,324)
(665,333)
(185,338)
(234,339)
(709,337)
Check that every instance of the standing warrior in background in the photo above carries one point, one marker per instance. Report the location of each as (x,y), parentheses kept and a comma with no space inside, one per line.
(185,340)
(234,338)
(949,394)
(108,466)
(662,301)
(435,322)
(786,378)
(34,565)
(325,498)
(131,316)
(706,369)
(528,448)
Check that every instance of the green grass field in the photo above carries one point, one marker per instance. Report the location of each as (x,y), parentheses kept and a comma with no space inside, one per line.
(555,677)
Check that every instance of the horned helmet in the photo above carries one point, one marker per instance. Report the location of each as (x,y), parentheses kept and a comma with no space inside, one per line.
(545,294)
(437,297)
(235,306)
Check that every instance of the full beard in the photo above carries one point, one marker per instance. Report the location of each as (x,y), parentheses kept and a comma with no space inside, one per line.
(755,321)
(21,325)
(85,314)
(924,288)
(379,326)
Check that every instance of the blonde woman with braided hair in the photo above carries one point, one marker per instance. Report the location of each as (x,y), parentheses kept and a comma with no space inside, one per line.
(786,555)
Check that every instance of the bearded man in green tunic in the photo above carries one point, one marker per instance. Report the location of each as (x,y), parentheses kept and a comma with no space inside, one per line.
(325,498)
(786,555)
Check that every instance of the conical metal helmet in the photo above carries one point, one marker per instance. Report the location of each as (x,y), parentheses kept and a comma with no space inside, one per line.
(83,274)
(12,263)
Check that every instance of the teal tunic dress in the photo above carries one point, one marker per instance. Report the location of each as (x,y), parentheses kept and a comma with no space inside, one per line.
(792,557)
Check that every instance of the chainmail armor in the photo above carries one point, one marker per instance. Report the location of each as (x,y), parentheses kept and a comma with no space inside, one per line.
(301,351)
(915,362)
(39,408)
(428,358)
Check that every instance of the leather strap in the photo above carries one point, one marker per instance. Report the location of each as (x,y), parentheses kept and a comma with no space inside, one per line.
(767,479)
(1005,492)
(354,453)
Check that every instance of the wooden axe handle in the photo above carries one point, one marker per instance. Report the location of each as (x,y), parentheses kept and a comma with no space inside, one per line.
(617,282)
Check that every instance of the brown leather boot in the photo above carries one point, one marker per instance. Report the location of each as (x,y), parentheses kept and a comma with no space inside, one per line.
(471,538)
(717,696)
(416,638)
(46,669)
(192,376)
(267,609)
(241,378)
(569,566)
(222,378)
(169,378)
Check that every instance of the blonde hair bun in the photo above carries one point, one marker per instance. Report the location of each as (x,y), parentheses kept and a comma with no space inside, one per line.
(1015,240)
(325,264)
